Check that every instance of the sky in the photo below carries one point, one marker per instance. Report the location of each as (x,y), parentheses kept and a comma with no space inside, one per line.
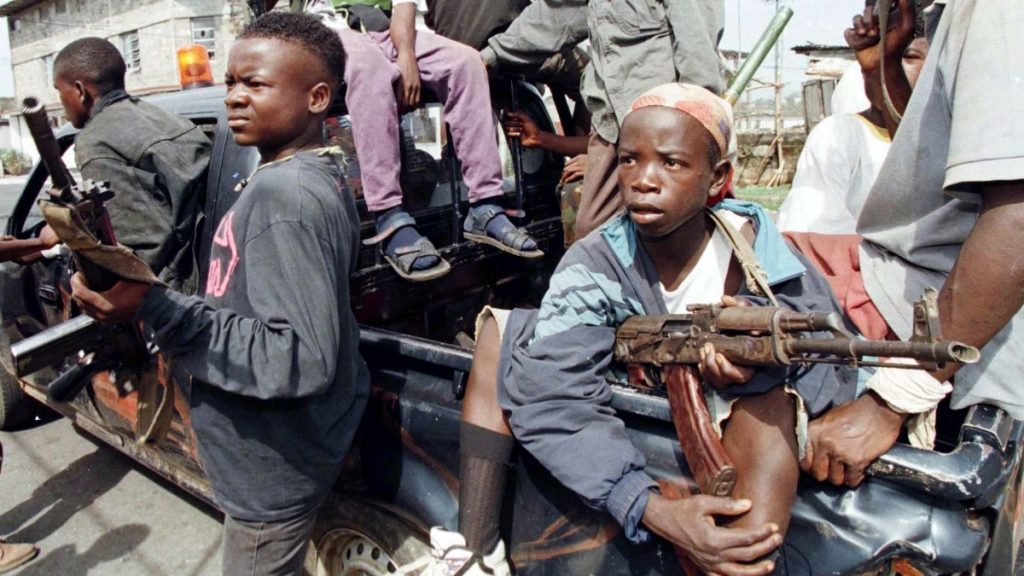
(817,21)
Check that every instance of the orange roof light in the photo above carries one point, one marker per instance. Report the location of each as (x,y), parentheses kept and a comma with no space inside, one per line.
(194,68)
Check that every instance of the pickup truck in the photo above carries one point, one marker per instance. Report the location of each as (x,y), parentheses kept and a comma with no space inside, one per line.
(953,511)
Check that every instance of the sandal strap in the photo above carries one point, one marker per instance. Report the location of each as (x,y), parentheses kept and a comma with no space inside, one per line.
(406,255)
(515,237)
(479,216)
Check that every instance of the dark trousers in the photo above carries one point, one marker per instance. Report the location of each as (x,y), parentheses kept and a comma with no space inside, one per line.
(266,548)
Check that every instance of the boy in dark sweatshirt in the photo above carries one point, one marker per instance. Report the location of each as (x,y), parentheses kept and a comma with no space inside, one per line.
(278,383)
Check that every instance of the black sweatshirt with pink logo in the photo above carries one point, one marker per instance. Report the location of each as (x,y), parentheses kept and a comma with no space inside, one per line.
(278,386)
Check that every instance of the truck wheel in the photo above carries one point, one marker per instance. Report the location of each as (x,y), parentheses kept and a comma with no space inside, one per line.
(16,408)
(355,538)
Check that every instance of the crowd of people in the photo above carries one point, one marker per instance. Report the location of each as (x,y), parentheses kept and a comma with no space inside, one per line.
(920,190)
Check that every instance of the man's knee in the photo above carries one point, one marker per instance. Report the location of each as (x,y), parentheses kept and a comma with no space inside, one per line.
(266,548)
(465,62)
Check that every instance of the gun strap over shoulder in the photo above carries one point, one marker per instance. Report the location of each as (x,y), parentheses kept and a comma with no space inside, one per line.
(753,273)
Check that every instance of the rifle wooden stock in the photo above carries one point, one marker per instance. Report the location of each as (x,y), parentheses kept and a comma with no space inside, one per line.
(711,467)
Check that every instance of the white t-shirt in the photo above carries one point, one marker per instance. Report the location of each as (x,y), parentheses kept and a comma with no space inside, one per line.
(840,160)
(964,125)
(706,282)
(849,97)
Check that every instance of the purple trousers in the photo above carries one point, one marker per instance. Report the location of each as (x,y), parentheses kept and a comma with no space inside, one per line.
(455,73)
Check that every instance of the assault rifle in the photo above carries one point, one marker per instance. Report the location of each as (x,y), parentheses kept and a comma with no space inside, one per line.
(97,347)
(752,336)
(86,203)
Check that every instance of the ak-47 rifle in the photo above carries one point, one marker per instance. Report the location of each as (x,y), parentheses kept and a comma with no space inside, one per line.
(98,347)
(86,202)
(752,336)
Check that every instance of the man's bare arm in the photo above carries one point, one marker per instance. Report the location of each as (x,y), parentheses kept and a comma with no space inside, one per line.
(986,286)
(863,37)
(982,293)
(403,36)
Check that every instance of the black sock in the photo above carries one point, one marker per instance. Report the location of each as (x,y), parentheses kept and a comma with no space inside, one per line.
(401,238)
(483,467)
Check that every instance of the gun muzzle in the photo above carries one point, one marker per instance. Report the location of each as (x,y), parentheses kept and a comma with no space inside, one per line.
(49,151)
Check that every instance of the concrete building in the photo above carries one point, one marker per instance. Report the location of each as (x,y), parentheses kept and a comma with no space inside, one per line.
(148,33)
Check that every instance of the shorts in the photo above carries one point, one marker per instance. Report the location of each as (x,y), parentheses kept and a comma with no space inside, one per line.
(500,316)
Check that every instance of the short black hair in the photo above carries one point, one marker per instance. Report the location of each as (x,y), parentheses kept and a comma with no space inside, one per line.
(307,31)
(93,60)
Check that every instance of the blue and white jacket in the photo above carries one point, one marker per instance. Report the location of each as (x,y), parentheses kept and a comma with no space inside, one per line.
(556,363)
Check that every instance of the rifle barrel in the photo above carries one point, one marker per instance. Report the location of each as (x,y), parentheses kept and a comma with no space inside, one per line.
(46,144)
(938,352)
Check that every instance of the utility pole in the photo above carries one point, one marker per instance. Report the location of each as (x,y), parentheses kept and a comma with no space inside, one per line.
(775,180)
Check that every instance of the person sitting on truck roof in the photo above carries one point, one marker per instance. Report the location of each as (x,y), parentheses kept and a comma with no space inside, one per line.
(388,64)
(508,44)
(547,383)
(278,384)
(155,161)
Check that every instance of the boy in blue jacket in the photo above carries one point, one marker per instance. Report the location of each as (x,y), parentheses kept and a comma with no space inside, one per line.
(545,374)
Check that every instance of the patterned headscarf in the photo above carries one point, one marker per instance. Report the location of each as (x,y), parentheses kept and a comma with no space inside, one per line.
(714,113)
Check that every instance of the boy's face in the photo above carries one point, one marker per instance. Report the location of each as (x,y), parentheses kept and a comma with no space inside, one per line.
(913,59)
(275,96)
(76,101)
(664,175)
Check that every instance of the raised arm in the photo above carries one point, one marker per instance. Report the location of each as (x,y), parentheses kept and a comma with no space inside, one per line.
(863,38)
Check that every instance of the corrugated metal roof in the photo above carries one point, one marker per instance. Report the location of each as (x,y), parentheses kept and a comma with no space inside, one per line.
(14,6)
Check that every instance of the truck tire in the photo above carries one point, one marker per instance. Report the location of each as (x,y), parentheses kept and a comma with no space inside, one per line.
(356,538)
(16,408)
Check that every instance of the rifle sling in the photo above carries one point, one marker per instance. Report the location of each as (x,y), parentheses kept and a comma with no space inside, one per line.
(753,273)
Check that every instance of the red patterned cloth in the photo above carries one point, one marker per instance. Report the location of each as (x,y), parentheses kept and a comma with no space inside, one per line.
(837,257)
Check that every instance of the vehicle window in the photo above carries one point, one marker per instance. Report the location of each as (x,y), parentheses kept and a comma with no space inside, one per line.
(426,173)
(207,125)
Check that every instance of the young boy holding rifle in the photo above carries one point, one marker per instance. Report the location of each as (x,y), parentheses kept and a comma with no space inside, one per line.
(544,374)
(278,383)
